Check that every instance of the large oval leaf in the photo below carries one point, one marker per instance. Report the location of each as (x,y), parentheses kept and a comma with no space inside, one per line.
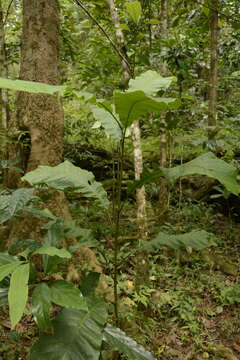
(31,86)
(41,305)
(67,295)
(117,339)
(5,270)
(150,82)
(77,335)
(130,106)
(14,202)
(207,164)
(65,176)
(18,293)
(196,240)
(53,251)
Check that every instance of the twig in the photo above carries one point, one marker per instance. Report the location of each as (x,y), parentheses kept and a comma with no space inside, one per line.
(79,3)
(7,12)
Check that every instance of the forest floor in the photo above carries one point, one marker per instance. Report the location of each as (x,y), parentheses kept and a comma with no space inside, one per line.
(190,307)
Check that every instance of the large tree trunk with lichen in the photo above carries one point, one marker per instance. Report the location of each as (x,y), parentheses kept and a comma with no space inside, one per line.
(41,116)
(164,186)
(213,73)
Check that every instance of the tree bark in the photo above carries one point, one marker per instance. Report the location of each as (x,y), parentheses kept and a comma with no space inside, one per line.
(164,187)
(42,116)
(3,73)
(213,73)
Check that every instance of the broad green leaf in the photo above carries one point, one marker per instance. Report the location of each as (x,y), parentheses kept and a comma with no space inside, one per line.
(150,82)
(30,86)
(77,335)
(18,293)
(196,240)
(118,340)
(67,295)
(207,164)
(41,305)
(5,259)
(39,213)
(134,9)
(132,105)
(5,270)
(110,125)
(53,251)
(14,202)
(65,176)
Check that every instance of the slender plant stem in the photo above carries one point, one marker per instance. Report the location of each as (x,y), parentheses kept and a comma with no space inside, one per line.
(117,216)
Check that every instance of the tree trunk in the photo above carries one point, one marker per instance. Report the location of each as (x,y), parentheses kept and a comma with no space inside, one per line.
(213,74)
(3,73)
(42,115)
(164,187)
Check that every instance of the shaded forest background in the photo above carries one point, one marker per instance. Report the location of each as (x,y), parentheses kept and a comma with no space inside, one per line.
(178,298)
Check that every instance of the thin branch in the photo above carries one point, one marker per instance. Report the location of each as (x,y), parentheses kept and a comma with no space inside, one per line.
(79,3)
(229,17)
(7,12)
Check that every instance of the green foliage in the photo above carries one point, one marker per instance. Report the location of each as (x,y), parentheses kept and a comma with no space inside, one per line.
(151,82)
(30,86)
(77,335)
(11,204)
(230,294)
(18,293)
(132,105)
(195,240)
(66,175)
(53,251)
(41,305)
(207,164)
(67,295)
(134,9)
(6,269)
(105,118)
(124,344)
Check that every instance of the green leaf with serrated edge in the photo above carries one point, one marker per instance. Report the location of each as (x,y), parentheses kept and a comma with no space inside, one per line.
(18,293)
(67,295)
(90,284)
(65,176)
(207,164)
(30,86)
(110,125)
(196,240)
(77,335)
(150,82)
(134,9)
(41,305)
(117,339)
(5,270)
(53,251)
(132,105)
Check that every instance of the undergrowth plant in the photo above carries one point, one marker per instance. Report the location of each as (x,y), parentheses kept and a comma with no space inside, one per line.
(80,328)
